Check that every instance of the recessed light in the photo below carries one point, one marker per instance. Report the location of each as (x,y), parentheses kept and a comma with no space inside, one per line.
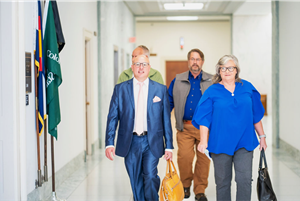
(185,6)
(182,18)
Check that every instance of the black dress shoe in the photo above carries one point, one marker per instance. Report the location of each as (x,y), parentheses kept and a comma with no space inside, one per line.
(187,192)
(200,197)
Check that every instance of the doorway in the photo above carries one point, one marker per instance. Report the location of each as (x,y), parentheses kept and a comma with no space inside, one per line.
(173,68)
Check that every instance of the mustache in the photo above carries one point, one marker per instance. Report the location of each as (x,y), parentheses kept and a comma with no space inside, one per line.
(195,65)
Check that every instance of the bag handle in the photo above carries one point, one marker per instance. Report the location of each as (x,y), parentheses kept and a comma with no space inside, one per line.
(169,167)
(262,156)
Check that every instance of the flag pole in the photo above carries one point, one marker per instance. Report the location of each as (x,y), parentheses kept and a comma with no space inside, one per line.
(53,73)
(45,152)
(53,166)
(39,173)
(45,132)
(54,197)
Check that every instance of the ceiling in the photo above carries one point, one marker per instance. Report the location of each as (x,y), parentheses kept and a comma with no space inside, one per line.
(155,7)
(145,10)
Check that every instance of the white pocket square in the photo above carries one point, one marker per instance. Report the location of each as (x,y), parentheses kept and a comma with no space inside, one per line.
(156,99)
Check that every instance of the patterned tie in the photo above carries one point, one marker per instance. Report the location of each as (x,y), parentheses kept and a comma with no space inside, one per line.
(139,121)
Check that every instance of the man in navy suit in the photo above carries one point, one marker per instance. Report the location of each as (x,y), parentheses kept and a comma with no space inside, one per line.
(141,106)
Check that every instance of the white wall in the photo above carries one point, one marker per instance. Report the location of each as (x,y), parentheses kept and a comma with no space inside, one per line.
(251,44)
(162,38)
(75,18)
(31,139)
(289,98)
(117,25)
(12,102)
(18,133)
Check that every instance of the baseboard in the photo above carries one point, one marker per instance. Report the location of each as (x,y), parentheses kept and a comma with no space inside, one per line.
(293,152)
(45,191)
(61,175)
(99,144)
(95,145)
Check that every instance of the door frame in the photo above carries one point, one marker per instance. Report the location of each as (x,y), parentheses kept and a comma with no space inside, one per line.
(88,89)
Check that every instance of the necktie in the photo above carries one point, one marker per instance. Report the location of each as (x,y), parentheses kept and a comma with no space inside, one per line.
(139,123)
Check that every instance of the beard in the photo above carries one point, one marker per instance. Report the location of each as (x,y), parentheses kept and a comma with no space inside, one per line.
(195,68)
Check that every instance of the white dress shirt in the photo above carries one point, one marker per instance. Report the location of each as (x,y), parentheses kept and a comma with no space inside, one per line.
(136,90)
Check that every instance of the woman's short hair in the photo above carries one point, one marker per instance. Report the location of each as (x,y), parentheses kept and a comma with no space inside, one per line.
(217,77)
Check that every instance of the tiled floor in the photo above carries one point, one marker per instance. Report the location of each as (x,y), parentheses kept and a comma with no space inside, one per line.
(105,180)
(102,179)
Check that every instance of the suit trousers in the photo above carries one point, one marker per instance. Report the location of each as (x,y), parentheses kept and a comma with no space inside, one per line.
(187,141)
(242,160)
(141,166)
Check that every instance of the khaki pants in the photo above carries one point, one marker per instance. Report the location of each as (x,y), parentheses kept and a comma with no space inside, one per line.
(188,141)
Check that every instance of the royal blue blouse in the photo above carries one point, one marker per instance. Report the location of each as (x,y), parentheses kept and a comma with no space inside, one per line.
(230,117)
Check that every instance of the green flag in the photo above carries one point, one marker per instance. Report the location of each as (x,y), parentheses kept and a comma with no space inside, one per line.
(53,72)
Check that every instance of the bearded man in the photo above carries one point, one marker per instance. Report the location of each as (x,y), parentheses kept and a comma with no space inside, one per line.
(185,92)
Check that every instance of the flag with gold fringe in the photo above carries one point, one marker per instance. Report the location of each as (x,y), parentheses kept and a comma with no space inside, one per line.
(39,63)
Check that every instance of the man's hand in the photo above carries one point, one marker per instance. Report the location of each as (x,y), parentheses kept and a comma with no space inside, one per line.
(110,153)
(168,155)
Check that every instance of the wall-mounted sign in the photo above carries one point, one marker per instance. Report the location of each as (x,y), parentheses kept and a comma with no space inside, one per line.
(181,42)
(28,71)
(132,40)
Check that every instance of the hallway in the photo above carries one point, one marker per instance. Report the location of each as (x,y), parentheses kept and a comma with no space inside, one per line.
(100,37)
(102,179)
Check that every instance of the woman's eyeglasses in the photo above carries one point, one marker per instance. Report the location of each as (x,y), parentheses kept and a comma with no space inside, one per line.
(230,68)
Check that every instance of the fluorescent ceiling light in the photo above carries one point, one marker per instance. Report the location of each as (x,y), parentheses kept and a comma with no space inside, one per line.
(173,6)
(181,6)
(193,6)
(183,18)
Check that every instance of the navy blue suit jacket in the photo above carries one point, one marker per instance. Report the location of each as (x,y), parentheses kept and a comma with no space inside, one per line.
(122,110)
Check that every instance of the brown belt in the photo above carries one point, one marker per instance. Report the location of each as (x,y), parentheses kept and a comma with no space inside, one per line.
(187,121)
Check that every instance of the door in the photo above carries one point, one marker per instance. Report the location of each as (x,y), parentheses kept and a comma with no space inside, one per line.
(173,68)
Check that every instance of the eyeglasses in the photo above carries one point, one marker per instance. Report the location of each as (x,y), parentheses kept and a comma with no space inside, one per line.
(230,68)
(138,64)
(197,60)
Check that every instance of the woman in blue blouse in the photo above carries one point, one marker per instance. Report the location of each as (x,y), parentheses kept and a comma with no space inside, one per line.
(229,112)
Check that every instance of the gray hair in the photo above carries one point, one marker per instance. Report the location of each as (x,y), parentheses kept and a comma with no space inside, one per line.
(146,51)
(217,77)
